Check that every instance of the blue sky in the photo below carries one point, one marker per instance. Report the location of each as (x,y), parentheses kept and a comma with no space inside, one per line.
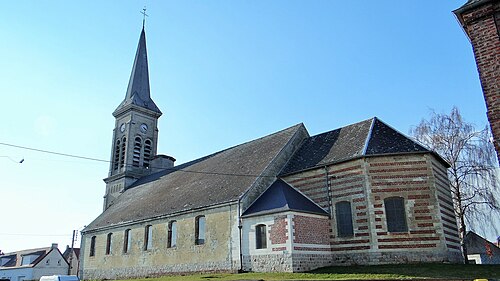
(222,72)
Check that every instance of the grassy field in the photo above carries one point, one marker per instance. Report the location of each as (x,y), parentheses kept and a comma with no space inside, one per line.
(381,272)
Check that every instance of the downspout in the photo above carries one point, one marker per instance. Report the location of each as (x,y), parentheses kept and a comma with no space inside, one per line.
(328,196)
(240,233)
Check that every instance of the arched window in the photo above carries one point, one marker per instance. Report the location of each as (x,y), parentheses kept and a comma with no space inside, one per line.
(108,244)
(117,155)
(137,152)
(147,153)
(199,230)
(148,238)
(260,236)
(92,246)
(172,234)
(122,156)
(395,214)
(126,241)
(344,219)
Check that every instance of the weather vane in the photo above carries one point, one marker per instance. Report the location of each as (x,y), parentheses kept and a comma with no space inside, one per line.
(144,15)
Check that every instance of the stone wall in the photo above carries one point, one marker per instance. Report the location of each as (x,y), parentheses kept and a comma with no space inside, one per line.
(213,255)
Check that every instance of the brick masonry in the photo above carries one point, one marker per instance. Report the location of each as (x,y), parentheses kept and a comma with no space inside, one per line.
(420,180)
(482,23)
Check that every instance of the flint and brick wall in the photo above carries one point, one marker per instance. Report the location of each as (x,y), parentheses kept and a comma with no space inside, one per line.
(482,24)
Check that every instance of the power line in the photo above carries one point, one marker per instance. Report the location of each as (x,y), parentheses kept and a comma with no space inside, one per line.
(55,153)
(107,161)
(34,235)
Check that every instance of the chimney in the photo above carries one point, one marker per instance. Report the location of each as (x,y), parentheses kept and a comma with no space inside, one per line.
(161,162)
(54,246)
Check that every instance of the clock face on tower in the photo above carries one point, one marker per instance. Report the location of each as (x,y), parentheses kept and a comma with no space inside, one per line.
(144,128)
(122,128)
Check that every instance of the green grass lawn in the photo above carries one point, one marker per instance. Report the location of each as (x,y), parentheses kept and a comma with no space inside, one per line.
(386,272)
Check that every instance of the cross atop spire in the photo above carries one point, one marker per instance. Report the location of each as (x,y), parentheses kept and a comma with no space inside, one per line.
(144,15)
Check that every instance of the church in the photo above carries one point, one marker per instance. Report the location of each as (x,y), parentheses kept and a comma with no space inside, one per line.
(287,202)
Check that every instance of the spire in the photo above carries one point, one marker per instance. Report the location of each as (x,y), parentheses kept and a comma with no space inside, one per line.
(138,86)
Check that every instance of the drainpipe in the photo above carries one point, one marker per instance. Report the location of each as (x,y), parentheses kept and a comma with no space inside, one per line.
(327,181)
(240,233)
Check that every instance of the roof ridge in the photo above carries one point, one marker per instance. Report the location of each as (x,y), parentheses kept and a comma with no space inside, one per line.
(368,136)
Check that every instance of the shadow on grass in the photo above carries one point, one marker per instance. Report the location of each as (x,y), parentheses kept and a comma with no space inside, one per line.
(439,271)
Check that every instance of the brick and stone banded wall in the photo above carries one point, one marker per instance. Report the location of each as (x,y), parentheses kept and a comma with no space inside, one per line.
(268,263)
(446,209)
(312,184)
(155,270)
(411,178)
(348,183)
(484,35)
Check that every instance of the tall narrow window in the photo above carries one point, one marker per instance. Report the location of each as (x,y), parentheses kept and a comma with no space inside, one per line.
(147,153)
(92,246)
(199,230)
(126,241)
(108,244)
(116,158)
(344,219)
(137,152)
(172,234)
(260,236)
(122,156)
(395,214)
(148,238)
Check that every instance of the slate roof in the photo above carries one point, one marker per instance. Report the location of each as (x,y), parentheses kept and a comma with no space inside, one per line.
(16,257)
(281,197)
(138,92)
(66,253)
(366,138)
(477,244)
(218,178)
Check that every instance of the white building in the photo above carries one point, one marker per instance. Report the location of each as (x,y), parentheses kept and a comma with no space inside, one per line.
(32,264)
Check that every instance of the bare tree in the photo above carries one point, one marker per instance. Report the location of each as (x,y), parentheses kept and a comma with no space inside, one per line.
(474,168)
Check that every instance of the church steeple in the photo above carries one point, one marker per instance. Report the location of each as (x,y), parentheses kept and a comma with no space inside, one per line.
(135,136)
(138,92)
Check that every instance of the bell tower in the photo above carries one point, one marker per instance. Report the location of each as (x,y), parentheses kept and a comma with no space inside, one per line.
(135,135)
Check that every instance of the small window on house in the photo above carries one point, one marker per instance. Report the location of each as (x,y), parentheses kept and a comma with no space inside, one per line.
(126,241)
(395,214)
(260,236)
(344,219)
(199,230)
(47,261)
(108,244)
(148,238)
(92,246)
(172,234)
(26,260)
(59,262)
